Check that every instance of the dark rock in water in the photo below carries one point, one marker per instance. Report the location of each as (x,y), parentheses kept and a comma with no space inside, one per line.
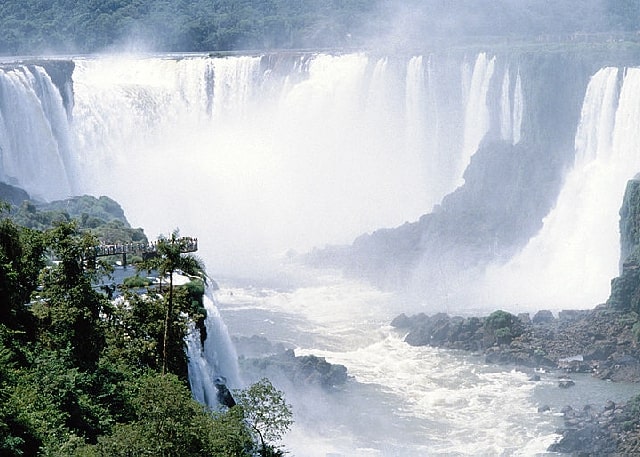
(403,322)
(566,383)
(224,396)
(307,370)
(441,330)
(535,377)
(544,408)
(611,431)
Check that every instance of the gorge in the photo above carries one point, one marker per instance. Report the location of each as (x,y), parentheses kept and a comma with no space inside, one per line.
(470,179)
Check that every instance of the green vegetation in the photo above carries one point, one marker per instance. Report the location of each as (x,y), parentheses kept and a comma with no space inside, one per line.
(103,216)
(179,25)
(503,326)
(267,413)
(169,258)
(82,375)
(64,26)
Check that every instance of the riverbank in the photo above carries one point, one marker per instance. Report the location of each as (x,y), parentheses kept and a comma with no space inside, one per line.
(602,342)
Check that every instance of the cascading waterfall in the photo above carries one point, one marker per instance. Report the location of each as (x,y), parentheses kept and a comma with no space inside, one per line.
(252,144)
(255,155)
(506,126)
(580,235)
(291,158)
(518,110)
(477,114)
(34,136)
(215,358)
(511,108)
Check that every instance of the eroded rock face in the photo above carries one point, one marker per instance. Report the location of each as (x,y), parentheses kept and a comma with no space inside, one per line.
(301,371)
(601,341)
(625,289)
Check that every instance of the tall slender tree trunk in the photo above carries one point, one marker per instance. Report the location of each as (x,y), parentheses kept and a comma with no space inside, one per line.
(167,321)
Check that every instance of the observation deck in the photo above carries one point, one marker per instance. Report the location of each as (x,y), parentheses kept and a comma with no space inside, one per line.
(186,244)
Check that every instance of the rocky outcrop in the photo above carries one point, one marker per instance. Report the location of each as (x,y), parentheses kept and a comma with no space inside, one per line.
(256,346)
(508,189)
(625,289)
(601,341)
(302,371)
(12,194)
(611,430)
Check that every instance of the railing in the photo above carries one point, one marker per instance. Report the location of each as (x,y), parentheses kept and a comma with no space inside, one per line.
(187,244)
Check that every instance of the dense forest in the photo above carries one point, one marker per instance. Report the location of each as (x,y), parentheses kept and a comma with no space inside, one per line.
(65,26)
(83,374)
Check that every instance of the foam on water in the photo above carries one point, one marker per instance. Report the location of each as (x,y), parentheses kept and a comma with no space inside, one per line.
(403,400)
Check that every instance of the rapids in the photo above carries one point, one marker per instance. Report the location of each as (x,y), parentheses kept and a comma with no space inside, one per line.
(262,156)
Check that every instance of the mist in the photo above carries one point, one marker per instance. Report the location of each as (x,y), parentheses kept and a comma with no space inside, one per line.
(416,22)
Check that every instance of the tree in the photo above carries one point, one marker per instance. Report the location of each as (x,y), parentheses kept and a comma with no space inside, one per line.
(21,258)
(168,422)
(67,307)
(266,411)
(170,258)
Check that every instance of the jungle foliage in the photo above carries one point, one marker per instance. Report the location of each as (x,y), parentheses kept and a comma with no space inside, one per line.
(178,25)
(84,375)
(30,27)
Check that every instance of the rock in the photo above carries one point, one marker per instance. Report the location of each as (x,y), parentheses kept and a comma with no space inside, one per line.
(543,317)
(544,408)
(224,396)
(571,315)
(301,370)
(402,321)
(566,383)
(524,318)
(256,346)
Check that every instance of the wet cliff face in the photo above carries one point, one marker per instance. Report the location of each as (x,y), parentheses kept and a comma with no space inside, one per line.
(630,221)
(59,70)
(508,188)
(625,289)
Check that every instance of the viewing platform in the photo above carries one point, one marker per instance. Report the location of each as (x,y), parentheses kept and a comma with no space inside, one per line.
(186,244)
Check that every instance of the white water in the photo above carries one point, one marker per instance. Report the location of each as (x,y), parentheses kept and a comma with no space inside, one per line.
(34,133)
(581,234)
(213,359)
(401,401)
(477,120)
(511,108)
(255,163)
(252,170)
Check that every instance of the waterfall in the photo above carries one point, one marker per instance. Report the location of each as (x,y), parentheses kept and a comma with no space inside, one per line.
(416,98)
(262,154)
(575,254)
(216,358)
(477,115)
(511,108)
(272,154)
(34,136)
(235,80)
(518,110)
(506,127)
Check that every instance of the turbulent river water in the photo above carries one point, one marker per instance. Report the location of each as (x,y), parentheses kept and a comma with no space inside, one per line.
(399,400)
(258,155)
